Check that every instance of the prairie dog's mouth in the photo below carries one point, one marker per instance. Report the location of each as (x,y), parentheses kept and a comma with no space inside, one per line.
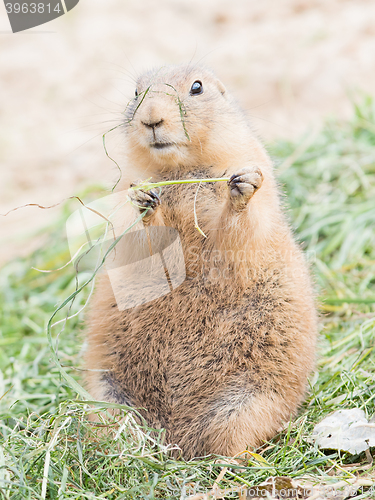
(161,145)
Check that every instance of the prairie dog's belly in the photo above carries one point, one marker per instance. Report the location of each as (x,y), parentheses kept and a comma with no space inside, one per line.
(200,334)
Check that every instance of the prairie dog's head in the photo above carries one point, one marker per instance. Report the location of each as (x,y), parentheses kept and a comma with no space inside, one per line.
(180,116)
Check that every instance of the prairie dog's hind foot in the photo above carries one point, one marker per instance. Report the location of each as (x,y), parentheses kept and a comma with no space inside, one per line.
(144,200)
(243,184)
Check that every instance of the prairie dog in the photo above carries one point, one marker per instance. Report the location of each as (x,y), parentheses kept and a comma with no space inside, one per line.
(222,361)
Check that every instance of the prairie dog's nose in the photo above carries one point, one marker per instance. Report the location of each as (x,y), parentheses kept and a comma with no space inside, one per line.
(153,123)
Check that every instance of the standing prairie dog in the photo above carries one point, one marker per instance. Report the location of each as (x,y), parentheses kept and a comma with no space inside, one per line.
(222,361)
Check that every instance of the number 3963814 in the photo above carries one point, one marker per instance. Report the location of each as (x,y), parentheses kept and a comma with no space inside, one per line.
(32,8)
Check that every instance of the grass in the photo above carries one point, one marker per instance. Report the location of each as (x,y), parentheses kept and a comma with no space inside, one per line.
(50,450)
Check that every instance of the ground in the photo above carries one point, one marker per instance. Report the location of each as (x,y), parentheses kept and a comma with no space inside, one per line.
(49,449)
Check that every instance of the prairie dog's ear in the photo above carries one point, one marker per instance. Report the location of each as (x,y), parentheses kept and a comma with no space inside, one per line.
(221,87)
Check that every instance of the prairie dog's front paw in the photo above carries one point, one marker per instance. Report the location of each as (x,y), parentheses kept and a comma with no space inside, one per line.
(144,200)
(243,184)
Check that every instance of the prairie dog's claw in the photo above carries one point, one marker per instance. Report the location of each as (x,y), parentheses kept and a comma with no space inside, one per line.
(145,199)
(244,183)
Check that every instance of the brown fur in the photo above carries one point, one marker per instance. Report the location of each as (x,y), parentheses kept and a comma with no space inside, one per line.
(223,360)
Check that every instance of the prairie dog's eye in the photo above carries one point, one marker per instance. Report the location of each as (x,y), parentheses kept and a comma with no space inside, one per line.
(136,93)
(196,88)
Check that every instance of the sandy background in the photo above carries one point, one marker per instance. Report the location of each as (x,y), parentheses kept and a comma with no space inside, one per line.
(289,62)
